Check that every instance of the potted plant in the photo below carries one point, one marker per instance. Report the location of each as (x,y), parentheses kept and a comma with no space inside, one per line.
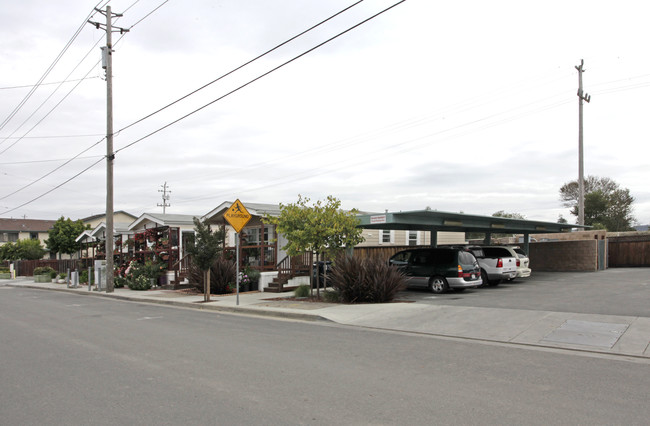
(62,277)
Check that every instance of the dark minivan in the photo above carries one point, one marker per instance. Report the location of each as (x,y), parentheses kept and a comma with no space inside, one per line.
(439,269)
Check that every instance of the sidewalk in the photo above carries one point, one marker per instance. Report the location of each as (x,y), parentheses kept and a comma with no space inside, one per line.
(607,334)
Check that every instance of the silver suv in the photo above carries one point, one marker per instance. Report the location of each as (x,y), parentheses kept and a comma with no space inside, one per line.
(497,263)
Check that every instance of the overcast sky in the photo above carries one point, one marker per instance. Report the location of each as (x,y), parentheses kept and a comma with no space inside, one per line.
(457,106)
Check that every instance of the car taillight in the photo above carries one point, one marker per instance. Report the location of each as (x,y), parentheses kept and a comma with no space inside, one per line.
(460,271)
(499,263)
(518,263)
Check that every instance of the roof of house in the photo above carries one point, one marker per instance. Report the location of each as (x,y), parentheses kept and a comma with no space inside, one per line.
(164,219)
(255,209)
(25,225)
(100,215)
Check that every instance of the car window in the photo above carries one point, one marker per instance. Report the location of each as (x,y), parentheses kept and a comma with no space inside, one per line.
(477,252)
(465,258)
(400,258)
(520,252)
(496,252)
(420,258)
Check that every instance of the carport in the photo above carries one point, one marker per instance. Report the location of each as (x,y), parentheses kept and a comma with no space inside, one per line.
(434,221)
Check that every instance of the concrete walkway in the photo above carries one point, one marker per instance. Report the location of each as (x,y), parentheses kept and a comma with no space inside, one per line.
(606,334)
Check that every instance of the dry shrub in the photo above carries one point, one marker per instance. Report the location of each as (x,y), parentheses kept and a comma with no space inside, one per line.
(222,276)
(367,280)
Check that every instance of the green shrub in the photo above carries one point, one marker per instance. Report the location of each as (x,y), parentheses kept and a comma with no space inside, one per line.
(331,296)
(120,282)
(83,277)
(302,291)
(222,274)
(367,280)
(44,270)
(140,283)
(4,270)
(62,275)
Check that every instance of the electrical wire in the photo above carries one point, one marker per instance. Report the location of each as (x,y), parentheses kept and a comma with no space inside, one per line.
(47,72)
(261,76)
(46,84)
(67,162)
(55,188)
(239,67)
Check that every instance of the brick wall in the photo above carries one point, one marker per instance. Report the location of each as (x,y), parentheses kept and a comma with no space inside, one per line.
(566,256)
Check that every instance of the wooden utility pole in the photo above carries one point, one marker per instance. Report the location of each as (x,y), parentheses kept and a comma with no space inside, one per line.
(107,63)
(581,172)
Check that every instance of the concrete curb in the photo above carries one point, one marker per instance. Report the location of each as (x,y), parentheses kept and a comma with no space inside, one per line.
(190,305)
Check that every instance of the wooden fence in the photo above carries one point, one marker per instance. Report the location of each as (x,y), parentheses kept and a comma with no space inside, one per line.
(26,268)
(628,252)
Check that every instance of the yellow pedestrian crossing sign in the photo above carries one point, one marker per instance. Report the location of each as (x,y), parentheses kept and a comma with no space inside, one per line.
(237,216)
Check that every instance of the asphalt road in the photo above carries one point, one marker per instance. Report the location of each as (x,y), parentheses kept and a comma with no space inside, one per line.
(615,291)
(74,360)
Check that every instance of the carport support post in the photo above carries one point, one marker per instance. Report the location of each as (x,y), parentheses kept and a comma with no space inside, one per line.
(434,237)
(527,244)
(488,238)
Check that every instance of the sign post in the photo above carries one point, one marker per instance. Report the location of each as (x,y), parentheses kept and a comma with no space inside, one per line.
(237,216)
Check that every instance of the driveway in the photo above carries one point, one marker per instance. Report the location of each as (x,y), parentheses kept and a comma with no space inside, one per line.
(616,291)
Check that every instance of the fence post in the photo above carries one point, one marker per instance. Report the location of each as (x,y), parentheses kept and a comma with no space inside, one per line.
(90,277)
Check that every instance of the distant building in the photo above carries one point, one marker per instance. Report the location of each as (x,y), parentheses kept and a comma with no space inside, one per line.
(12,230)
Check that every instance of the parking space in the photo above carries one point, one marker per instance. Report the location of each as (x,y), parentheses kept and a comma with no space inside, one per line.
(616,291)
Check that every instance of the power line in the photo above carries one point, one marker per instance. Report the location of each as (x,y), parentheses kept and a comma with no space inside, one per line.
(56,187)
(261,76)
(212,102)
(239,67)
(47,84)
(47,72)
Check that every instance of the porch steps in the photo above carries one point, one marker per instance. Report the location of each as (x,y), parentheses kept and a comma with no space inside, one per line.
(276,286)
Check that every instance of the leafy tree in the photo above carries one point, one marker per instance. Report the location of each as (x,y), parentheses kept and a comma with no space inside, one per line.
(62,236)
(22,249)
(561,219)
(502,213)
(9,251)
(321,228)
(30,249)
(204,251)
(607,205)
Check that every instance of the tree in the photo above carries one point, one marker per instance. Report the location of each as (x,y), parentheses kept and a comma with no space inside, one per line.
(30,249)
(62,237)
(502,213)
(9,251)
(204,251)
(322,228)
(22,249)
(607,205)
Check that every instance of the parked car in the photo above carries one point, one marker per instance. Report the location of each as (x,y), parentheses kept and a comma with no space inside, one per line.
(523,269)
(497,263)
(439,269)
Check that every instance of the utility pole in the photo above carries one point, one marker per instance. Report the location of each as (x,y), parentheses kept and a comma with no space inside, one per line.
(581,171)
(107,63)
(165,197)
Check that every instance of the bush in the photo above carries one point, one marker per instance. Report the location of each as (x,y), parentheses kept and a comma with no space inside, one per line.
(302,291)
(140,283)
(83,277)
(120,282)
(223,275)
(44,270)
(331,296)
(368,280)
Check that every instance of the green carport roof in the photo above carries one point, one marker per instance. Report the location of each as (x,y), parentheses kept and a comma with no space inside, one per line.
(460,222)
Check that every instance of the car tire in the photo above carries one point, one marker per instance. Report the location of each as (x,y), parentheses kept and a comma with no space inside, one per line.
(438,285)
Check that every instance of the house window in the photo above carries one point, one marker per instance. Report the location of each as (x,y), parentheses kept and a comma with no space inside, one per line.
(413,238)
(8,237)
(386,236)
(33,235)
